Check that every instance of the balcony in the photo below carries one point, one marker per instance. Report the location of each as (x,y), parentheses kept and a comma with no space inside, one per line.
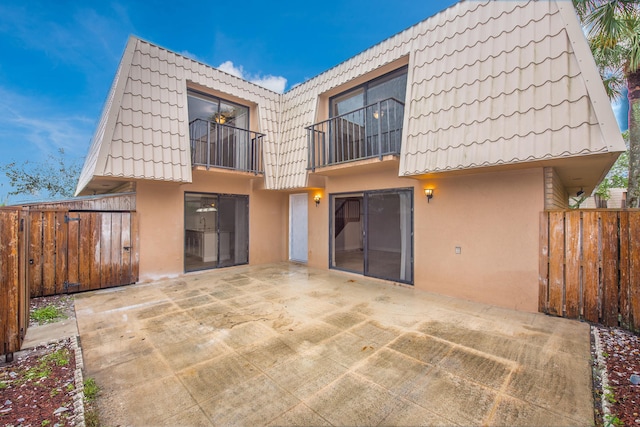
(368,132)
(218,145)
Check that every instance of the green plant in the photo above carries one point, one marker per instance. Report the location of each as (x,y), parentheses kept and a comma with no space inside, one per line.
(612,420)
(59,357)
(91,390)
(45,423)
(609,395)
(37,372)
(3,385)
(91,418)
(47,314)
(70,387)
(43,369)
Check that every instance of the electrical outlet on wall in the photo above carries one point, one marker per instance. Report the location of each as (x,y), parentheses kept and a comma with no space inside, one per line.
(458,250)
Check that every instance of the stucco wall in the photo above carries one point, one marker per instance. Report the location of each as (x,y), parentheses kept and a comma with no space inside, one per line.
(161,211)
(492,217)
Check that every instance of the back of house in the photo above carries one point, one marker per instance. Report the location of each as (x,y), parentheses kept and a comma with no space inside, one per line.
(424,160)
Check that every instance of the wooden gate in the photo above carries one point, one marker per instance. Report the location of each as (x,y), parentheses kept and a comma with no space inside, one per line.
(14,294)
(80,251)
(590,266)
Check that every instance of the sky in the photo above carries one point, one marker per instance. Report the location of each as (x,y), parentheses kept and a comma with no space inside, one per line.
(58,58)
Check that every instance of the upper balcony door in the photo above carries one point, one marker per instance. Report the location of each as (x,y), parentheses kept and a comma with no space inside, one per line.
(220,136)
(364,122)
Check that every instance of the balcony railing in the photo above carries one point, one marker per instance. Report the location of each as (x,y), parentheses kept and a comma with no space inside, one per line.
(371,131)
(223,146)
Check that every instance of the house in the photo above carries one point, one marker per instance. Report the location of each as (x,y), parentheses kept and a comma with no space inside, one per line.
(424,160)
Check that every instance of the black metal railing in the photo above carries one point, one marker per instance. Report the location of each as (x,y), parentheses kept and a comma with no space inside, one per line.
(371,131)
(223,146)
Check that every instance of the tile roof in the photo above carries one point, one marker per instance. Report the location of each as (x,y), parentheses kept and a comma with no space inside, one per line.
(504,85)
(489,83)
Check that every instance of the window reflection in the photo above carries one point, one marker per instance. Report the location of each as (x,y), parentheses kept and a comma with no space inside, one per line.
(216,110)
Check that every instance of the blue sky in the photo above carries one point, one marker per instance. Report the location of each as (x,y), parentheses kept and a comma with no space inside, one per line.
(58,58)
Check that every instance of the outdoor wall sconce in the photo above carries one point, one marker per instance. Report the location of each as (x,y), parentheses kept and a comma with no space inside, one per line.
(429,193)
(316,199)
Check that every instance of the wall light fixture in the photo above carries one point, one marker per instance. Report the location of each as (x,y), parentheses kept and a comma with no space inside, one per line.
(429,193)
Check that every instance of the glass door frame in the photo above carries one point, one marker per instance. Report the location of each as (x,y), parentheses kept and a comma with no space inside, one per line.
(365,218)
(217,197)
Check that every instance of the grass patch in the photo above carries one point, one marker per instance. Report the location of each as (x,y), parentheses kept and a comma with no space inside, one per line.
(609,395)
(91,418)
(611,420)
(91,390)
(48,314)
(58,358)
(43,368)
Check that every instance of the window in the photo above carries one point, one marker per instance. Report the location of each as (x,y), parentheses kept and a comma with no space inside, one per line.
(207,107)
(392,85)
(220,136)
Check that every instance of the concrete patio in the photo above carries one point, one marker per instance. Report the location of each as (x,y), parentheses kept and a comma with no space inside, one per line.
(287,345)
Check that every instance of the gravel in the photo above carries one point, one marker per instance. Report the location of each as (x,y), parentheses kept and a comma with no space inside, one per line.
(616,355)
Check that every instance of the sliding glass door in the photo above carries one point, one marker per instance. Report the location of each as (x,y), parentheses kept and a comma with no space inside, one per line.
(389,243)
(372,234)
(216,230)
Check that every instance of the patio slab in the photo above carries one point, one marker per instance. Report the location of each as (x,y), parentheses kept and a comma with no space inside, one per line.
(285,344)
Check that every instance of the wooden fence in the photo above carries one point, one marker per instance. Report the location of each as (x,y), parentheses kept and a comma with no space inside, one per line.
(14,295)
(81,251)
(54,251)
(590,266)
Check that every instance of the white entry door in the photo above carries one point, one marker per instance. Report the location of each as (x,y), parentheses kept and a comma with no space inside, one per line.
(298,231)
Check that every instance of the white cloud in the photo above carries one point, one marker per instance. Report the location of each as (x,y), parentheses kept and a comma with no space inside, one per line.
(274,83)
(39,127)
(229,68)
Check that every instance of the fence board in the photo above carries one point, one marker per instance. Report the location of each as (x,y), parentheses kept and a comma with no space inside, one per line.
(116,249)
(34,272)
(24,293)
(85,258)
(572,264)
(10,326)
(61,252)
(556,262)
(126,248)
(590,262)
(609,223)
(105,251)
(96,273)
(625,316)
(48,253)
(634,272)
(73,250)
(543,278)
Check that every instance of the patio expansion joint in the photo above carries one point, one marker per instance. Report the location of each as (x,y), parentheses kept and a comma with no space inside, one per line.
(454,345)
